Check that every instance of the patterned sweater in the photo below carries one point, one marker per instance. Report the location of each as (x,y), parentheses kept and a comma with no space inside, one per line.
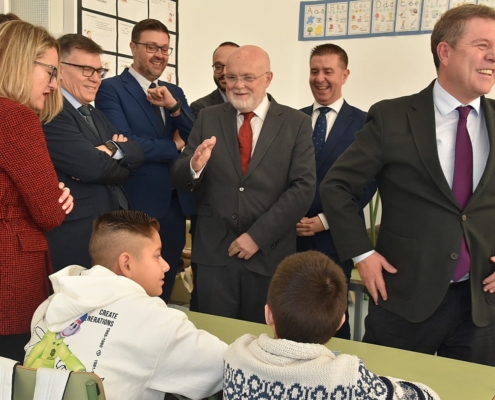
(265,368)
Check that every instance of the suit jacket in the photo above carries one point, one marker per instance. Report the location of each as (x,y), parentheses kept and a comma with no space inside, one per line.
(28,207)
(422,223)
(266,202)
(349,120)
(72,146)
(212,99)
(123,101)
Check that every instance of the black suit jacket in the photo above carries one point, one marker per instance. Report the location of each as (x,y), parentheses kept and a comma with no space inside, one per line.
(72,147)
(266,202)
(349,120)
(212,99)
(422,223)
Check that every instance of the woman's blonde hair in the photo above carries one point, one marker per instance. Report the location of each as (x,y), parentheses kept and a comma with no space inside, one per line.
(21,44)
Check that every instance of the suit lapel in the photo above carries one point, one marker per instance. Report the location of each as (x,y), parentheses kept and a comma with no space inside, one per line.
(136,91)
(228,121)
(422,123)
(338,129)
(271,126)
(87,130)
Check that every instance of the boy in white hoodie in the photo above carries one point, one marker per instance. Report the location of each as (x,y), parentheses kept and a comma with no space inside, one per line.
(108,320)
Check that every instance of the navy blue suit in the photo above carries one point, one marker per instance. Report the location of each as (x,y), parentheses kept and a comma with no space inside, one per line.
(124,102)
(349,120)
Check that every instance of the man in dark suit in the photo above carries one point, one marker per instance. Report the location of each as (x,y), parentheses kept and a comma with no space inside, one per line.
(88,153)
(252,182)
(162,129)
(432,276)
(335,123)
(218,96)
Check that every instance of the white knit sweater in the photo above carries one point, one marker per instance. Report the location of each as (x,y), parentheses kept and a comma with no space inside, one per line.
(265,368)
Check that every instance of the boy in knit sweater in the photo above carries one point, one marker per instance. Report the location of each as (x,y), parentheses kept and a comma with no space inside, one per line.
(306,303)
(109,320)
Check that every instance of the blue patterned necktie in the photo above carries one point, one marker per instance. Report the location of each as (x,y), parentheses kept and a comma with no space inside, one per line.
(320,130)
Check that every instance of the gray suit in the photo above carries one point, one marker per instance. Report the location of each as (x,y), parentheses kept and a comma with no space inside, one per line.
(267,202)
(212,99)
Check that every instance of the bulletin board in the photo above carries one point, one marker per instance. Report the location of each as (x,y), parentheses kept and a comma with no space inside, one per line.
(109,23)
(337,19)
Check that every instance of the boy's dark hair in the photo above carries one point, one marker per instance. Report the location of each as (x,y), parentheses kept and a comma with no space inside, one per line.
(330,48)
(307,297)
(78,41)
(450,28)
(148,25)
(114,232)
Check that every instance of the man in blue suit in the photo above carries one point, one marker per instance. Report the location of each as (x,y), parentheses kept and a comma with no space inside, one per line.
(161,128)
(334,122)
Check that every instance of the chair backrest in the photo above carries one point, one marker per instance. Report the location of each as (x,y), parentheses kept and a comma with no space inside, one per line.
(80,386)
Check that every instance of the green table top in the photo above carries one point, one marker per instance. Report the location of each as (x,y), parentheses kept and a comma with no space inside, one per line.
(451,379)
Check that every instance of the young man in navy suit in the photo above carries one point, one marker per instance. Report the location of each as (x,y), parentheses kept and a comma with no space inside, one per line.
(161,128)
(334,123)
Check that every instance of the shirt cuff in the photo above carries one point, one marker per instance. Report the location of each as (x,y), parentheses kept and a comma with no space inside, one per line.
(119,154)
(324,221)
(196,175)
(362,256)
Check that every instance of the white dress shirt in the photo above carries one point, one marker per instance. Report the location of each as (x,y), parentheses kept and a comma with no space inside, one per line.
(145,84)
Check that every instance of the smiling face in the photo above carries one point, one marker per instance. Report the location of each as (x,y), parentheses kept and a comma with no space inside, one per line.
(467,71)
(253,62)
(150,65)
(83,88)
(147,265)
(42,86)
(326,78)
(220,57)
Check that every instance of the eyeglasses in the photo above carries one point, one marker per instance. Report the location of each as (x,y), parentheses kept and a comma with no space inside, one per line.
(218,67)
(89,71)
(54,72)
(244,78)
(153,48)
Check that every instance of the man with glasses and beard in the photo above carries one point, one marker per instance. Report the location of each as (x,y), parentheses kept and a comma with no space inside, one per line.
(248,165)
(218,96)
(88,153)
(161,127)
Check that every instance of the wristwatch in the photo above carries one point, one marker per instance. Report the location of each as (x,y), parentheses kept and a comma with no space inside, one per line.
(111,146)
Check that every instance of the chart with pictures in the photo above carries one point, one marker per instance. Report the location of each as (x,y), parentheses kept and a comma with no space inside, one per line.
(339,19)
(109,23)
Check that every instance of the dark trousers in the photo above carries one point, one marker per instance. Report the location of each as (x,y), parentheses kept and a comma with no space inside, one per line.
(307,243)
(12,346)
(449,332)
(232,291)
(173,237)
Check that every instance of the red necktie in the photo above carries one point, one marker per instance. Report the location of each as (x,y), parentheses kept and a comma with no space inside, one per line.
(462,185)
(246,140)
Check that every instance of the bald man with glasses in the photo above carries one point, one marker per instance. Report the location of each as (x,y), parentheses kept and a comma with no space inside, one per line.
(88,153)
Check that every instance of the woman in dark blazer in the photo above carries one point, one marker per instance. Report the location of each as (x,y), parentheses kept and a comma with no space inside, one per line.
(31,199)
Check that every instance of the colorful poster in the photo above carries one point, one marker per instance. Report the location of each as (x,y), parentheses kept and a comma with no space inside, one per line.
(336,19)
(359,17)
(489,3)
(314,20)
(103,30)
(165,11)
(109,62)
(408,15)
(169,75)
(125,31)
(432,10)
(104,6)
(383,16)
(455,3)
(135,10)
(123,63)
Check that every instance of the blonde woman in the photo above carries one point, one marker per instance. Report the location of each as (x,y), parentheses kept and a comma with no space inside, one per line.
(31,199)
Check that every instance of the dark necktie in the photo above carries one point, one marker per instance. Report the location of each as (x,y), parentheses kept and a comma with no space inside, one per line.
(462,184)
(246,140)
(84,110)
(320,130)
(157,110)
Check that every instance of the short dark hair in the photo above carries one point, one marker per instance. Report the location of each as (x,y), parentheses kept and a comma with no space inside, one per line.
(450,28)
(230,44)
(148,25)
(115,231)
(307,297)
(8,17)
(78,41)
(330,48)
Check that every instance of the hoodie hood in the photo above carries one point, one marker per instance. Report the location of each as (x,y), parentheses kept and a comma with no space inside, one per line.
(77,291)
